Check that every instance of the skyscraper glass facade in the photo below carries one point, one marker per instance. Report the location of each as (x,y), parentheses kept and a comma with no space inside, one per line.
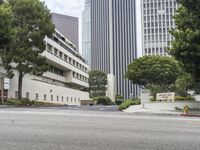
(68,26)
(86,31)
(113,40)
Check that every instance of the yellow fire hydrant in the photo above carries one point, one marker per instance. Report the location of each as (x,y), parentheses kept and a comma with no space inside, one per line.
(185,110)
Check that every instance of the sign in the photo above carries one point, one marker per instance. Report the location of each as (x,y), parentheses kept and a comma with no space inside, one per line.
(145,97)
(6,83)
(167,97)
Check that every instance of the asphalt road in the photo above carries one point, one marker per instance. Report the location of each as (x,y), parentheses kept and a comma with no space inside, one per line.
(69,129)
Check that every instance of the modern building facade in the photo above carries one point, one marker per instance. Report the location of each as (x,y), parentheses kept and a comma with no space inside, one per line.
(68,26)
(86,32)
(157,19)
(113,40)
(66,80)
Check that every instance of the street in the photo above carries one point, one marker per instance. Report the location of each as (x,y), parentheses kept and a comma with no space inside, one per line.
(94,129)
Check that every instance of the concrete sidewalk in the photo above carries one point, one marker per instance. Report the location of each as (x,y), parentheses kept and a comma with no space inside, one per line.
(5,106)
(138,109)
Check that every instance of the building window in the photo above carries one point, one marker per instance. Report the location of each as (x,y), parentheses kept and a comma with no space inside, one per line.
(49,48)
(36,96)
(52,98)
(55,52)
(27,95)
(62,98)
(57,98)
(71,99)
(74,74)
(67,99)
(45,97)
(65,58)
(70,60)
(61,55)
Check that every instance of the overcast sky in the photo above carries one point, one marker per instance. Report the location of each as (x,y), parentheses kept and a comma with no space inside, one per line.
(68,7)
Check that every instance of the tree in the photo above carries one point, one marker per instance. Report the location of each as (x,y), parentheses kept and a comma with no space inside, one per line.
(31,22)
(186,44)
(184,83)
(155,70)
(97,83)
(1,2)
(5,25)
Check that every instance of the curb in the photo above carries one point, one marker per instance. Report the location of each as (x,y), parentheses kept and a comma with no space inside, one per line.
(5,106)
(190,115)
(156,114)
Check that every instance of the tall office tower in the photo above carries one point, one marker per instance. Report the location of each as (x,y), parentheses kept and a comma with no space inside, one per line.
(68,26)
(157,19)
(113,40)
(86,32)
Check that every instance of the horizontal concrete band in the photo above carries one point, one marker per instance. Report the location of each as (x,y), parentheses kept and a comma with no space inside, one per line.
(172,105)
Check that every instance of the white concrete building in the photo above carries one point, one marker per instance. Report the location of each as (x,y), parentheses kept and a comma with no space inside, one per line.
(66,80)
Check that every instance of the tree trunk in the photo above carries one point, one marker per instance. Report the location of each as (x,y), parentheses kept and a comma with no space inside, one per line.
(20,85)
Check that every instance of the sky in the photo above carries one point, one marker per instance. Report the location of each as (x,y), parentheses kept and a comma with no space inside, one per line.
(68,7)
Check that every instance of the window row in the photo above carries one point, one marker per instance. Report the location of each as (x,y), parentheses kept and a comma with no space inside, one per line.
(152,38)
(153,31)
(55,70)
(158,18)
(64,57)
(159,4)
(52,98)
(159,24)
(80,77)
(155,11)
(155,50)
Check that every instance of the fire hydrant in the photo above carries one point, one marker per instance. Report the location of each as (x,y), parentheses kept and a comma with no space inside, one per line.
(185,110)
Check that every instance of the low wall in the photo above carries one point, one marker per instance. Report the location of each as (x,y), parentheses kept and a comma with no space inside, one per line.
(172,105)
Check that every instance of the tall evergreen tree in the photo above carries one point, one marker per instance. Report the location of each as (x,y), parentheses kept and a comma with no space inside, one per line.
(31,22)
(5,25)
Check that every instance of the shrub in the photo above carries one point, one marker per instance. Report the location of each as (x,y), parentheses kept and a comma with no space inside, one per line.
(129,102)
(26,102)
(13,102)
(22,102)
(104,101)
(119,101)
(187,98)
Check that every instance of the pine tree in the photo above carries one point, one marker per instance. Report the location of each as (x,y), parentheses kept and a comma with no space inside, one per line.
(31,23)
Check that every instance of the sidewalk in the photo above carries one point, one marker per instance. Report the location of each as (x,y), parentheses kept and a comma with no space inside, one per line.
(5,106)
(142,110)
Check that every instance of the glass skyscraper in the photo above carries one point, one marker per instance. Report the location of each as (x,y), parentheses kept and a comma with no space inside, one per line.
(113,40)
(68,26)
(86,31)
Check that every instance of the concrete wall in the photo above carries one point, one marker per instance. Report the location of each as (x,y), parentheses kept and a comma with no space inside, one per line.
(171,105)
(111,88)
